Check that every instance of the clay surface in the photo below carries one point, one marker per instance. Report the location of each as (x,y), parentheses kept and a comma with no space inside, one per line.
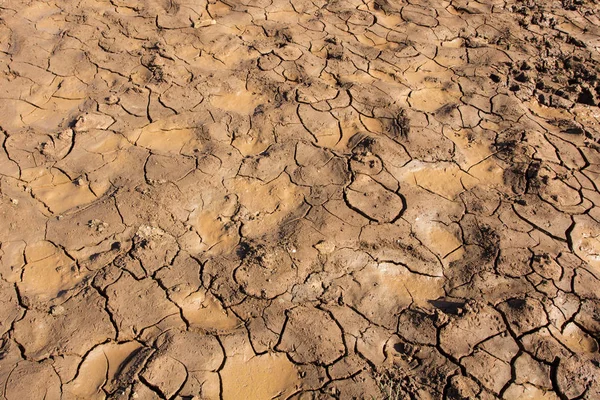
(299,199)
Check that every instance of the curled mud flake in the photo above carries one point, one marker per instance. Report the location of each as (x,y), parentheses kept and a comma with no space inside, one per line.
(417,327)
(204,23)
(266,272)
(325,247)
(384,290)
(264,376)
(82,323)
(72,231)
(88,122)
(523,315)
(25,373)
(103,368)
(494,376)
(129,298)
(372,200)
(586,241)
(11,308)
(154,248)
(482,323)
(49,274)
(463,387)
(324,346)
(394,243)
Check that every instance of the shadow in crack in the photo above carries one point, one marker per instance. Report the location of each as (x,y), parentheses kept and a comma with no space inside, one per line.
(448,307)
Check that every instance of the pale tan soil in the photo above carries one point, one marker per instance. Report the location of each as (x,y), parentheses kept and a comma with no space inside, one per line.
(300,199)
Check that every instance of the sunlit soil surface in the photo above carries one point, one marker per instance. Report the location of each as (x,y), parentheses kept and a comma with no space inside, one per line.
(299,199)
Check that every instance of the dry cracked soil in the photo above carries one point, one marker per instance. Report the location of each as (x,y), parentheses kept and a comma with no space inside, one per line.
(299,199)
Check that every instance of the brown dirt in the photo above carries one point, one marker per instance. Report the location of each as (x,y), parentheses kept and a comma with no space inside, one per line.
(234,199)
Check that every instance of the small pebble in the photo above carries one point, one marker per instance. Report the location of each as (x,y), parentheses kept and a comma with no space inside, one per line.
(204,23)
(57,310)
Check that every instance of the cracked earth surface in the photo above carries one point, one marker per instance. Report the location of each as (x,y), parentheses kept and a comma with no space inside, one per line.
(307,199)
